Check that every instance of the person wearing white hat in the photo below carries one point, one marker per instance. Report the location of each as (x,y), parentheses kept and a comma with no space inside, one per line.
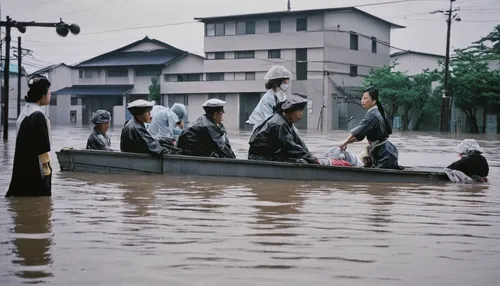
(135,138)
(472,163)
(98,140)
(207,137)
(277,83)
(276,139)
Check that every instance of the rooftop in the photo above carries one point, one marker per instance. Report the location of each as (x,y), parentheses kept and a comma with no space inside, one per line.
(294,13)
(121,57)
(415,53)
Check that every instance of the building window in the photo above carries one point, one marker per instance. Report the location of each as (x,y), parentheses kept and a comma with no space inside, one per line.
(301,24)
(249,76)
(178,98)
(189,77)
(301,66)
(221,96)
(245,28)
(215,76)
(275,26)
(53,99)
(274,54)
(218,29)
(85,74)
(244,55)
(354,41)
(220,55)
(74,100)
(374,45)
(117,73)
(353,71)
(147,72)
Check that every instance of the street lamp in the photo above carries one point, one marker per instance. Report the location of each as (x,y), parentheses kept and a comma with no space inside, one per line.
(62,30)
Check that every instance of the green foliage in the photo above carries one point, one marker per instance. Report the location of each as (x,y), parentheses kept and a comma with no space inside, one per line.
(492,51)
(473,84)
(400,92)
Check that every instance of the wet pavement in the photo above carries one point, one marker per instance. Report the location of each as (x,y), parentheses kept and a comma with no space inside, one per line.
(163,230)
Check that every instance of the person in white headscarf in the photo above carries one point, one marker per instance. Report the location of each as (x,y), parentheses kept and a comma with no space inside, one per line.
(472,163)
(278,80)
(166,122)
(99,140)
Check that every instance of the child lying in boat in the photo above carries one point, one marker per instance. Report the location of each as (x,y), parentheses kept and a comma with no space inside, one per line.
(337,157)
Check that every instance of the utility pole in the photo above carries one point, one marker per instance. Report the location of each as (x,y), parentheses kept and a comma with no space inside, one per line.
(445,105)
(20,70)
(62,30)
(19,75)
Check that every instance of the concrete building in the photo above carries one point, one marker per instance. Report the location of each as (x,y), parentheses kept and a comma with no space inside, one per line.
(111,80)
(329,51)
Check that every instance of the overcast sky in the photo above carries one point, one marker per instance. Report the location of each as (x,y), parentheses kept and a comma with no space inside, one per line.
(97,18)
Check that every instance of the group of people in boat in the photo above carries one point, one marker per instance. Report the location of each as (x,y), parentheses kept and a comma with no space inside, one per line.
(159,130)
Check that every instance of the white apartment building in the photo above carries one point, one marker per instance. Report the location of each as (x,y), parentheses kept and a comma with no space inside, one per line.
(328,51)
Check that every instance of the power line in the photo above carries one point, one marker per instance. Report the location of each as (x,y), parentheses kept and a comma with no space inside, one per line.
(43,4)
(140,27)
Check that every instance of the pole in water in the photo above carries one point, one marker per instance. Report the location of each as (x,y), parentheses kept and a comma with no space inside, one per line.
(19,75)
(6,72)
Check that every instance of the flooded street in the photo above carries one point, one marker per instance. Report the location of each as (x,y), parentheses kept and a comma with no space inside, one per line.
(163,230)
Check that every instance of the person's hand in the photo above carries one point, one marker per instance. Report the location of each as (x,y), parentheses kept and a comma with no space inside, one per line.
(343,146)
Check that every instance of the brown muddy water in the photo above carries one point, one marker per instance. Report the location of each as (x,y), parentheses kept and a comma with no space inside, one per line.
(163,230)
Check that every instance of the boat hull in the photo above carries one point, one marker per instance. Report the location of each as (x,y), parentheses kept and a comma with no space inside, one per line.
(118,162)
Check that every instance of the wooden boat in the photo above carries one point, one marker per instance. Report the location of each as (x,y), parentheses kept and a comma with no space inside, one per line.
(118,162)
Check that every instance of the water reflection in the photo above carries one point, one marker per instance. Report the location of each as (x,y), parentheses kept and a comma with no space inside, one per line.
(278,205)
(140,197)
(32,237)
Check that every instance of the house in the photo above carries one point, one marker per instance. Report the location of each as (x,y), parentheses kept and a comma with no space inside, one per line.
(413,62)
(60,76)
(328,51)
(13,89)
(111,80)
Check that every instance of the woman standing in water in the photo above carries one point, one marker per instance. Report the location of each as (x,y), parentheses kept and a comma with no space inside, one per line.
(376,128)
(32,173)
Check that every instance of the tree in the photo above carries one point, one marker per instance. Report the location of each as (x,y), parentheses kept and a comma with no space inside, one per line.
(390,84)
(154,89)
(400,92)
(424,98)
(473,84)
(492,52)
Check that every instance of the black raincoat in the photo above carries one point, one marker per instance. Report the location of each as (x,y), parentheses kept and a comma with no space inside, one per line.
(205,139)
(136,139)
(383,153)
(276,140)
(99,141)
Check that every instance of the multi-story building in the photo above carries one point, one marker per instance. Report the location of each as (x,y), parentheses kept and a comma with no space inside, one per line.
(329,51)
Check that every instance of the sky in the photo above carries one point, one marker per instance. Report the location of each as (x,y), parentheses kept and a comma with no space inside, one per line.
(110,24)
